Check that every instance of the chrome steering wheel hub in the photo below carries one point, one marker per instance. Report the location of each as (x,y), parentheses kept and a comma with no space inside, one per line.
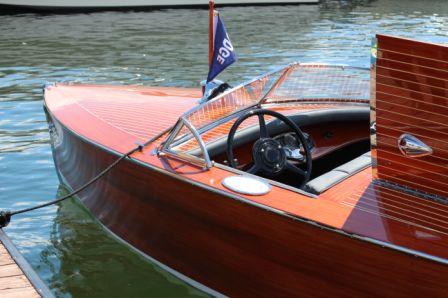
(269,156)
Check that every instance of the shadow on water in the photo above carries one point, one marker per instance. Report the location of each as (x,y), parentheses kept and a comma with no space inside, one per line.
(91,262)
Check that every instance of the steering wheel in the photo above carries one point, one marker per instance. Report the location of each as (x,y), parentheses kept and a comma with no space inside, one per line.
(268,155)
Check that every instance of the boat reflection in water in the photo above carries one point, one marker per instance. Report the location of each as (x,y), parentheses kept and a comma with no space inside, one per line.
(82,263)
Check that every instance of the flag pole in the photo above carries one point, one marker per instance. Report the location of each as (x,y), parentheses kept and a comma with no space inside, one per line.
(210,35)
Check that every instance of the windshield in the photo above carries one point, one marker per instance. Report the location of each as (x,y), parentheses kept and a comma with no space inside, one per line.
(236,99)
(295,83)
(321,82)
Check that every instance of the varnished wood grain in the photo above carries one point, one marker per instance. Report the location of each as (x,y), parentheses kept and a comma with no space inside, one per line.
(408,58)
(415,48)
(412,98)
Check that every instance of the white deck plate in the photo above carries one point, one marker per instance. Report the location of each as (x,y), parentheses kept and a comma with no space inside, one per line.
(247,185)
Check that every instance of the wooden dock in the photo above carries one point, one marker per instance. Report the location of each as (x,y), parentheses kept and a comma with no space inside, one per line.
(17,277)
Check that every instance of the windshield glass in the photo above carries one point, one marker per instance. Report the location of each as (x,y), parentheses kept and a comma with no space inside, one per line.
(236,99)
(321,82)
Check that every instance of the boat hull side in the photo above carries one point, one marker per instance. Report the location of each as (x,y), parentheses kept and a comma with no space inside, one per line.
(231,246)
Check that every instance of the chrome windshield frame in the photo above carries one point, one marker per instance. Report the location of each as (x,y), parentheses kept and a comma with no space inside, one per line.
(206,162)
(196,132)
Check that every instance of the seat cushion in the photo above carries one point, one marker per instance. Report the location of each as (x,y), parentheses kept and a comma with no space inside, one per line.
(356,164)
(327,180)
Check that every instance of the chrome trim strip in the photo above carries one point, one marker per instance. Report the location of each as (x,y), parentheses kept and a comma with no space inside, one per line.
(317,101)
(184,157)
(373,140)
(334,65)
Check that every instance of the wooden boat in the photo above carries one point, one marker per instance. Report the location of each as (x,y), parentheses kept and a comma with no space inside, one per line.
(317,217)
(78,5)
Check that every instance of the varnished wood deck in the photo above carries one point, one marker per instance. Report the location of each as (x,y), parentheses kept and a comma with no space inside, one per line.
(17,278)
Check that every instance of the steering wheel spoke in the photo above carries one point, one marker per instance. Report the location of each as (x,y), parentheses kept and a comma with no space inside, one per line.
(293,168)
(263,129)
(253,169)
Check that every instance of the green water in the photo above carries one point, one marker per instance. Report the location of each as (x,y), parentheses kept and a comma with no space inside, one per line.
(65,245)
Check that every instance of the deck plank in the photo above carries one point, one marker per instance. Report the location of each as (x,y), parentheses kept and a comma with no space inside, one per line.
(14,282)
(10,270)
(27,292)
(17,278)
(5,258)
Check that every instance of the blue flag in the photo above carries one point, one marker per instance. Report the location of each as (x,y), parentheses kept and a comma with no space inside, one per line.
(223,54)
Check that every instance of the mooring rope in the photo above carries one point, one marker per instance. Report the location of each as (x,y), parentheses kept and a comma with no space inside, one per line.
(5,216)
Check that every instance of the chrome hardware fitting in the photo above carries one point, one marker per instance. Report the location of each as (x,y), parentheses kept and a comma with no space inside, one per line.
(410,146)
(373,127)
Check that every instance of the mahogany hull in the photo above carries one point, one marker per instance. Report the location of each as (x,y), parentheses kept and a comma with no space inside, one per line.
(233,246)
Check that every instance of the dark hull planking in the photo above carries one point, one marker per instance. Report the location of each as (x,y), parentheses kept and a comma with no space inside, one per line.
(231,246)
